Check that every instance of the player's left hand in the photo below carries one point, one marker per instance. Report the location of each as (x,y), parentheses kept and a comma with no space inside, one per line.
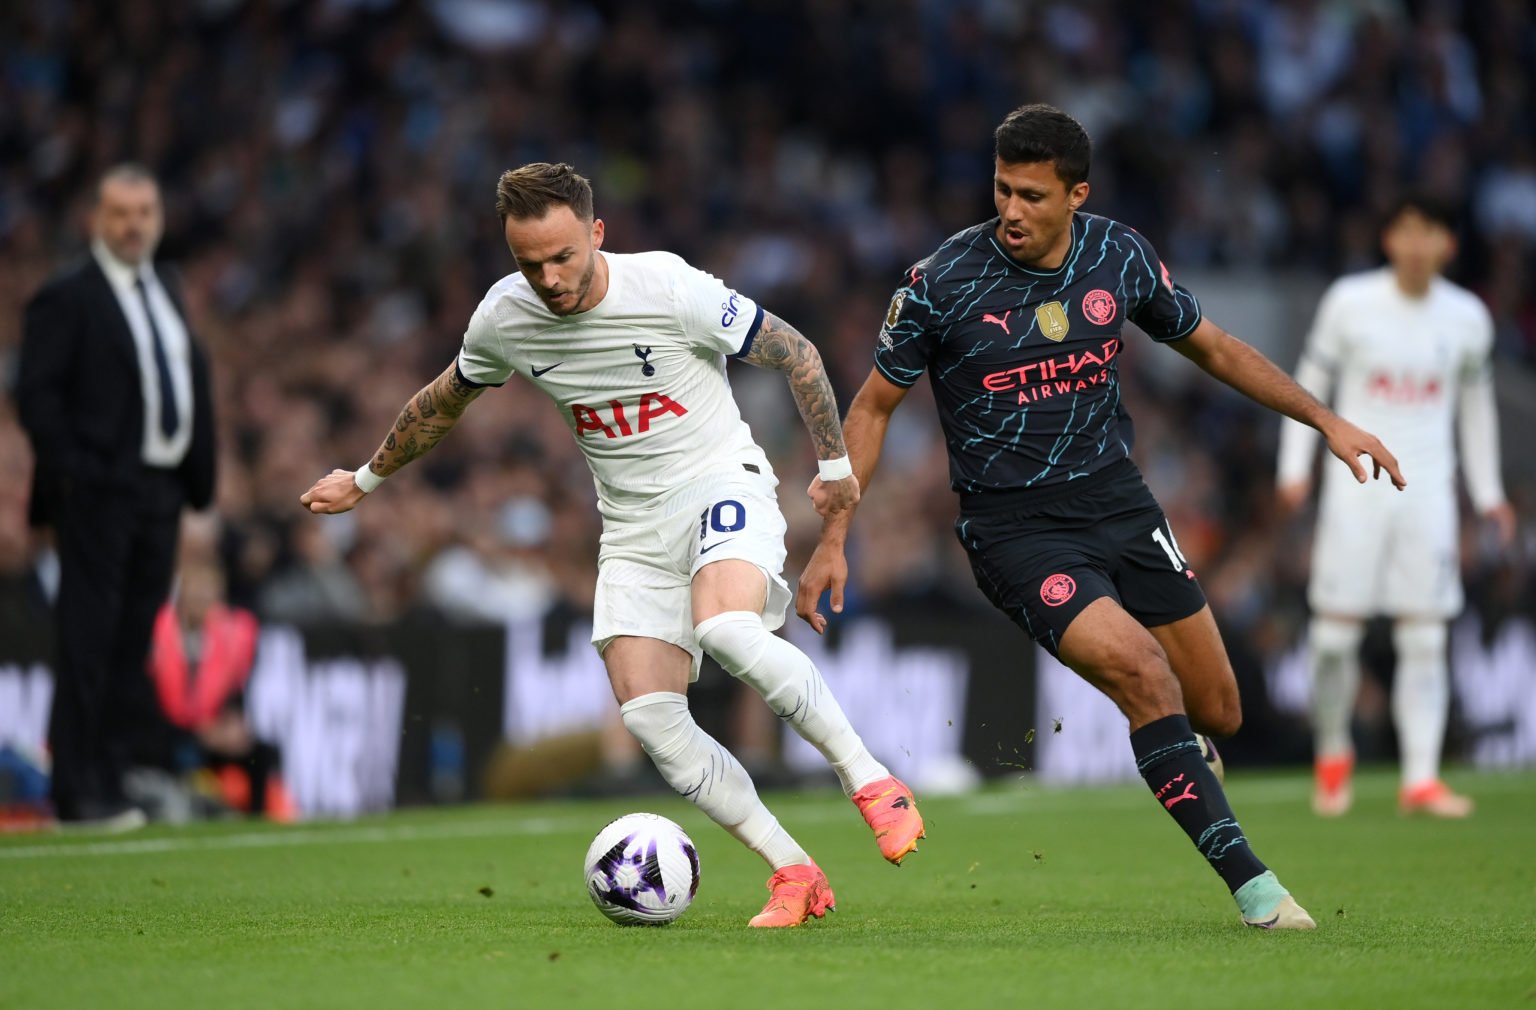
(833,497)
(827,569)
(1502,516)
(1349,443)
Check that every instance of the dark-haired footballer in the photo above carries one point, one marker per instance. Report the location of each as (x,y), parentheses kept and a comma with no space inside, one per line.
(1017,322)
(1407,350)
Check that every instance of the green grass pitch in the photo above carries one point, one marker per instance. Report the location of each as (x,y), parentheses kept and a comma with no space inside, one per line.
(1020,897)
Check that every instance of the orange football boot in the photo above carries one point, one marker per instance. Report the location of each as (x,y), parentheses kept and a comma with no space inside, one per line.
(1332,793)
(795,894)
(891,811)
(1435,799)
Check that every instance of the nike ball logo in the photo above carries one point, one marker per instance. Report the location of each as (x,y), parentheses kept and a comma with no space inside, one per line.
(540,371)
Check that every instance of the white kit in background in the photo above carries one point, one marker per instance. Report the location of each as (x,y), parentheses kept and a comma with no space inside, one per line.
(1415,370)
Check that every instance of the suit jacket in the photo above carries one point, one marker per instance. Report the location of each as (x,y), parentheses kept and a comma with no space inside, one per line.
(79,396)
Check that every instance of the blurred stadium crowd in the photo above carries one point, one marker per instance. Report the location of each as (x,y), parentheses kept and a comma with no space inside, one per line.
(329,173)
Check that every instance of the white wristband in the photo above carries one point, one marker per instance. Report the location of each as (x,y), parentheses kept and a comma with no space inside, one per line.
(366,479)
(834,469)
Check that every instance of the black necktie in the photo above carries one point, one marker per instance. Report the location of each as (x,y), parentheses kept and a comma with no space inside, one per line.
(169,418)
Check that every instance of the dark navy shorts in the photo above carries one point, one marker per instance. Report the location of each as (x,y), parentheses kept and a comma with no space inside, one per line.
(1042,556)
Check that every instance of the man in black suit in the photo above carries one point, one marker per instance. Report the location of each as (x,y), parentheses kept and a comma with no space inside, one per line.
(113,392)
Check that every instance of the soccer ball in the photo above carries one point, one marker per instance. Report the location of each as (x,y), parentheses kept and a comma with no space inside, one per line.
(642,870)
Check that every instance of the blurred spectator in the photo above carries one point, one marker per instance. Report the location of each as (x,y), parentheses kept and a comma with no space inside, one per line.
(316,584)
(202,657)
(497,574)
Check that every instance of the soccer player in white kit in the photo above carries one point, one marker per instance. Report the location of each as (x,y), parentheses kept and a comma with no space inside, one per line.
(632,348)
(1407,353)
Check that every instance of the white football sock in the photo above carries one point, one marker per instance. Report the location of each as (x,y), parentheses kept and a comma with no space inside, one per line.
(1421,697)
(793,688)
(1335,647)
(707,774)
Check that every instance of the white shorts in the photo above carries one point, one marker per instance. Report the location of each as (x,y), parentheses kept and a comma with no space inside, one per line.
(645,566)
(1382,551)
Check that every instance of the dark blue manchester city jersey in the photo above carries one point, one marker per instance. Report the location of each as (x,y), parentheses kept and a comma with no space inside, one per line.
(1024,362)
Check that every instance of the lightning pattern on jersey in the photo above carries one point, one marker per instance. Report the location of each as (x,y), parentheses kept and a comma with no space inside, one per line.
(1023,362)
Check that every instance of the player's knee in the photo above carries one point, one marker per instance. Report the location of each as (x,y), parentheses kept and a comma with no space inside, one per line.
(736,639)
(659,720)
(1419,640)
(1139,680)
(1335,636)
(1225,717)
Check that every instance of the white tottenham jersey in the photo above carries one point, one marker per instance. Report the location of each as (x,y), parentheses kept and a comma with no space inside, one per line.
(1405,368)
(639,377)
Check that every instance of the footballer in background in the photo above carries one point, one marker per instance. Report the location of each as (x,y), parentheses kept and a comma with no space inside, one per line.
(1405,353)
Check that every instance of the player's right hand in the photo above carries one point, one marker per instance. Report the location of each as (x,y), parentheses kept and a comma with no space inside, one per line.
(827,569)
(336,492)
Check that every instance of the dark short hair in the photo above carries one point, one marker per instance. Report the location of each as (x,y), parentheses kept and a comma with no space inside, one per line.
(1034,133)
(1435,208)
(126,171)
(530,191)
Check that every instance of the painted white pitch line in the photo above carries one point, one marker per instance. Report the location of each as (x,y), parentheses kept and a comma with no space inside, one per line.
(357,835)
(1242,793)
(279,838)
(1090,797)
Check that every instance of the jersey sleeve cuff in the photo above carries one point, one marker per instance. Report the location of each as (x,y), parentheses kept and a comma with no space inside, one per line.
(458,368)
(903,383)
(1199,318)
(757,324)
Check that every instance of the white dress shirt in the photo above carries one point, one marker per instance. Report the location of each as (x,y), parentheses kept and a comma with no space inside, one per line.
(158,449)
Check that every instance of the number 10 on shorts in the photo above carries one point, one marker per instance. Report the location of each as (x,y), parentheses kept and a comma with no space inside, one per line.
(725,516)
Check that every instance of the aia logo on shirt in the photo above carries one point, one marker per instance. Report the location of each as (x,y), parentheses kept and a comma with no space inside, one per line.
(617,422)
(1099,306)
(1403,388)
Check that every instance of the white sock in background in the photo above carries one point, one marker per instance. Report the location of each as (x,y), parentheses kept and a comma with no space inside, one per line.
(1335,654)
(793,688)
(1421,697)
(699,768)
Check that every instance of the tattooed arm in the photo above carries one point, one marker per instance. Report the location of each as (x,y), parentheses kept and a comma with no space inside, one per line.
(422,423)
(783,348)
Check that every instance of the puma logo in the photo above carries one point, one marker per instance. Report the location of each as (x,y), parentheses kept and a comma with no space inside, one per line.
(1003,322)
(1187,794)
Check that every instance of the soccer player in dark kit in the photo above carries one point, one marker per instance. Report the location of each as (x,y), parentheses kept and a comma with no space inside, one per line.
(1018,323)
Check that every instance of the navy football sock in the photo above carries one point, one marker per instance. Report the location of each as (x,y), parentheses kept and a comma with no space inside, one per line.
(1168,757)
